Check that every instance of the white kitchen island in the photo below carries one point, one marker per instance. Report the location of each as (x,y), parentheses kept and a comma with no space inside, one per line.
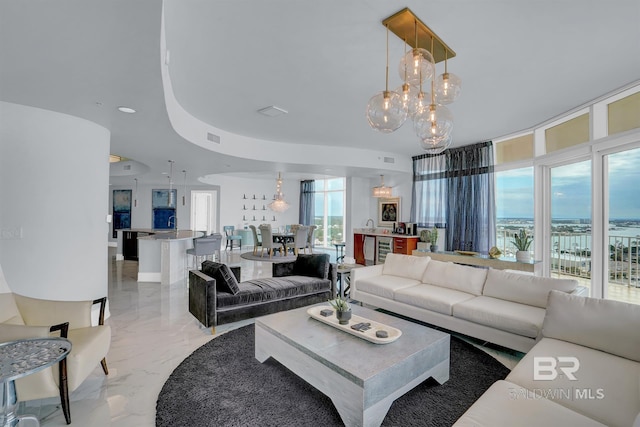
(162,256)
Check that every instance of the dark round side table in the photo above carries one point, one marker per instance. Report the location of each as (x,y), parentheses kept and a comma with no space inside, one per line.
(21,358)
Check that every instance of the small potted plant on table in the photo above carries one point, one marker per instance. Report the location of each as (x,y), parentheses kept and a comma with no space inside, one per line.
(343,309)
(522,241)
(433,238)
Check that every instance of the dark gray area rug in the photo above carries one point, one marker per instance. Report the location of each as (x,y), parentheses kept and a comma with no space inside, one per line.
(222,384)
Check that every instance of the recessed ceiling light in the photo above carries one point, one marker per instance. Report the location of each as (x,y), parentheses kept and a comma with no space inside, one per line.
(127,110)
(272,111)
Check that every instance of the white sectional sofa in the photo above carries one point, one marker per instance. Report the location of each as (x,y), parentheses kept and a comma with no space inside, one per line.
(585,371)
(498,306)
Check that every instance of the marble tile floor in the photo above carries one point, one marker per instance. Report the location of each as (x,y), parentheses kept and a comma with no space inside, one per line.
(152,332)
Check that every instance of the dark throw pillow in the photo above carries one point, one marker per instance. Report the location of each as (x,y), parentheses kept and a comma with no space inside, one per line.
(316,265)
(225,280)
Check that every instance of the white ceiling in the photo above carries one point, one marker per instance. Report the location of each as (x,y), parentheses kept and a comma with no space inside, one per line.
(521,63)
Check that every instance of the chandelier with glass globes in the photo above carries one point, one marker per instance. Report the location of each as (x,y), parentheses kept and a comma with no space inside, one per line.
(422,97)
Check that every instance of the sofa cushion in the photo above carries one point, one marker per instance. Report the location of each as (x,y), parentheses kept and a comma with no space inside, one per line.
(270,289)
(454,276)
(507,404)
(605,386)
(435,273)
(507,316)
(225,280)
(409,266)
(605,325)
(524,288)
(385,285)
(314,265)
(434,298)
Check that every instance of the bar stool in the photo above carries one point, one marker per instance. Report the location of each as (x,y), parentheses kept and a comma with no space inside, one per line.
(205,246)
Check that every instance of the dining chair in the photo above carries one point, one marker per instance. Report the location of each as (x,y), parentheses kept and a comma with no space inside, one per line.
(300,239)
(267,240)
(311,241)
(228,232)
(256,239)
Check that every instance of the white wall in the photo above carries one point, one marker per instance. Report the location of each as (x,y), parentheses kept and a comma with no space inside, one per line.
(54,179)
(231,191)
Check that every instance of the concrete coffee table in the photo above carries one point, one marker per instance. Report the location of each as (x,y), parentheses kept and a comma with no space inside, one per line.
(361,378)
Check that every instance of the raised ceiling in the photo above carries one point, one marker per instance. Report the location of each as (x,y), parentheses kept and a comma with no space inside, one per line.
(521,64)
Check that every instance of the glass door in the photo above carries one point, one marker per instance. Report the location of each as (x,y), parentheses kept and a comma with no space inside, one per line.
(571,241)
(622,234)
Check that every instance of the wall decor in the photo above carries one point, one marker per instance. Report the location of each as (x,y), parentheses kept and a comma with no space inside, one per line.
(163,205)
(388,211)
(121,210)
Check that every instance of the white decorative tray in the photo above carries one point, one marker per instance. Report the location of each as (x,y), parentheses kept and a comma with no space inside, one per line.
(369,335)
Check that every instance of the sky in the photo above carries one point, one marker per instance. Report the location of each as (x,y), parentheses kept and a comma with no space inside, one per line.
(571,189)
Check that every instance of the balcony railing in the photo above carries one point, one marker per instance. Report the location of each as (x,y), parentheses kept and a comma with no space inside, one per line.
(571,255)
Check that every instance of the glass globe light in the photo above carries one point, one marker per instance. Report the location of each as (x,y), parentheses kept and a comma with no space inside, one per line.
(385,112)
(413,99)
(448,88)
(432,147)
(434,123)
(416,66)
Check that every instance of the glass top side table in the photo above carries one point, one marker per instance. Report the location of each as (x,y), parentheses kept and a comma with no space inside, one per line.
(21,358)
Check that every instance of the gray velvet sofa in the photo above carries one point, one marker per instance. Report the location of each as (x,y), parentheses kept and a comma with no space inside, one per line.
(216,297)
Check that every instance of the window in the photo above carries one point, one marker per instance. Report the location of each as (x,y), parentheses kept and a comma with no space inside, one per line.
(329,211)
(514,207)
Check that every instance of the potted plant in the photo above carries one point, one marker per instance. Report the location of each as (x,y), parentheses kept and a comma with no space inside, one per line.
(423,244)
(433,238)
(522,241)
(343,309)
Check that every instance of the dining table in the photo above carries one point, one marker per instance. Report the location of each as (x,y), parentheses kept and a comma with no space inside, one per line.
(283,239)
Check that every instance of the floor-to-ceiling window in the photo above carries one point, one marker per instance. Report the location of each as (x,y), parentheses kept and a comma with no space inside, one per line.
(622,238)
(586,209)
(329,211)
(514,207)
(571,243)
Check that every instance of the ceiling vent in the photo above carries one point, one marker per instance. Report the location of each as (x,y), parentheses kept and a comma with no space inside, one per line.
(213,138)
(272,111)
(127,167)
(389,160)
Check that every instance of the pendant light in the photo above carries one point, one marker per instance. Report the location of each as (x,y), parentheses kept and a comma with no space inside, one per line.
(448,86)
(278,204)
(185,187)
(170,200)
(418,64)
(432,147)
(135,196)
(433,125)
(381,190)
(385,111)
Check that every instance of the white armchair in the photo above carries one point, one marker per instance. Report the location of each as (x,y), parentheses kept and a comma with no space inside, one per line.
(24,317)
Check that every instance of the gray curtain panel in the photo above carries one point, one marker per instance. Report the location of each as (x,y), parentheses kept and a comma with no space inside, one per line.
(455,189)
(307,206)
